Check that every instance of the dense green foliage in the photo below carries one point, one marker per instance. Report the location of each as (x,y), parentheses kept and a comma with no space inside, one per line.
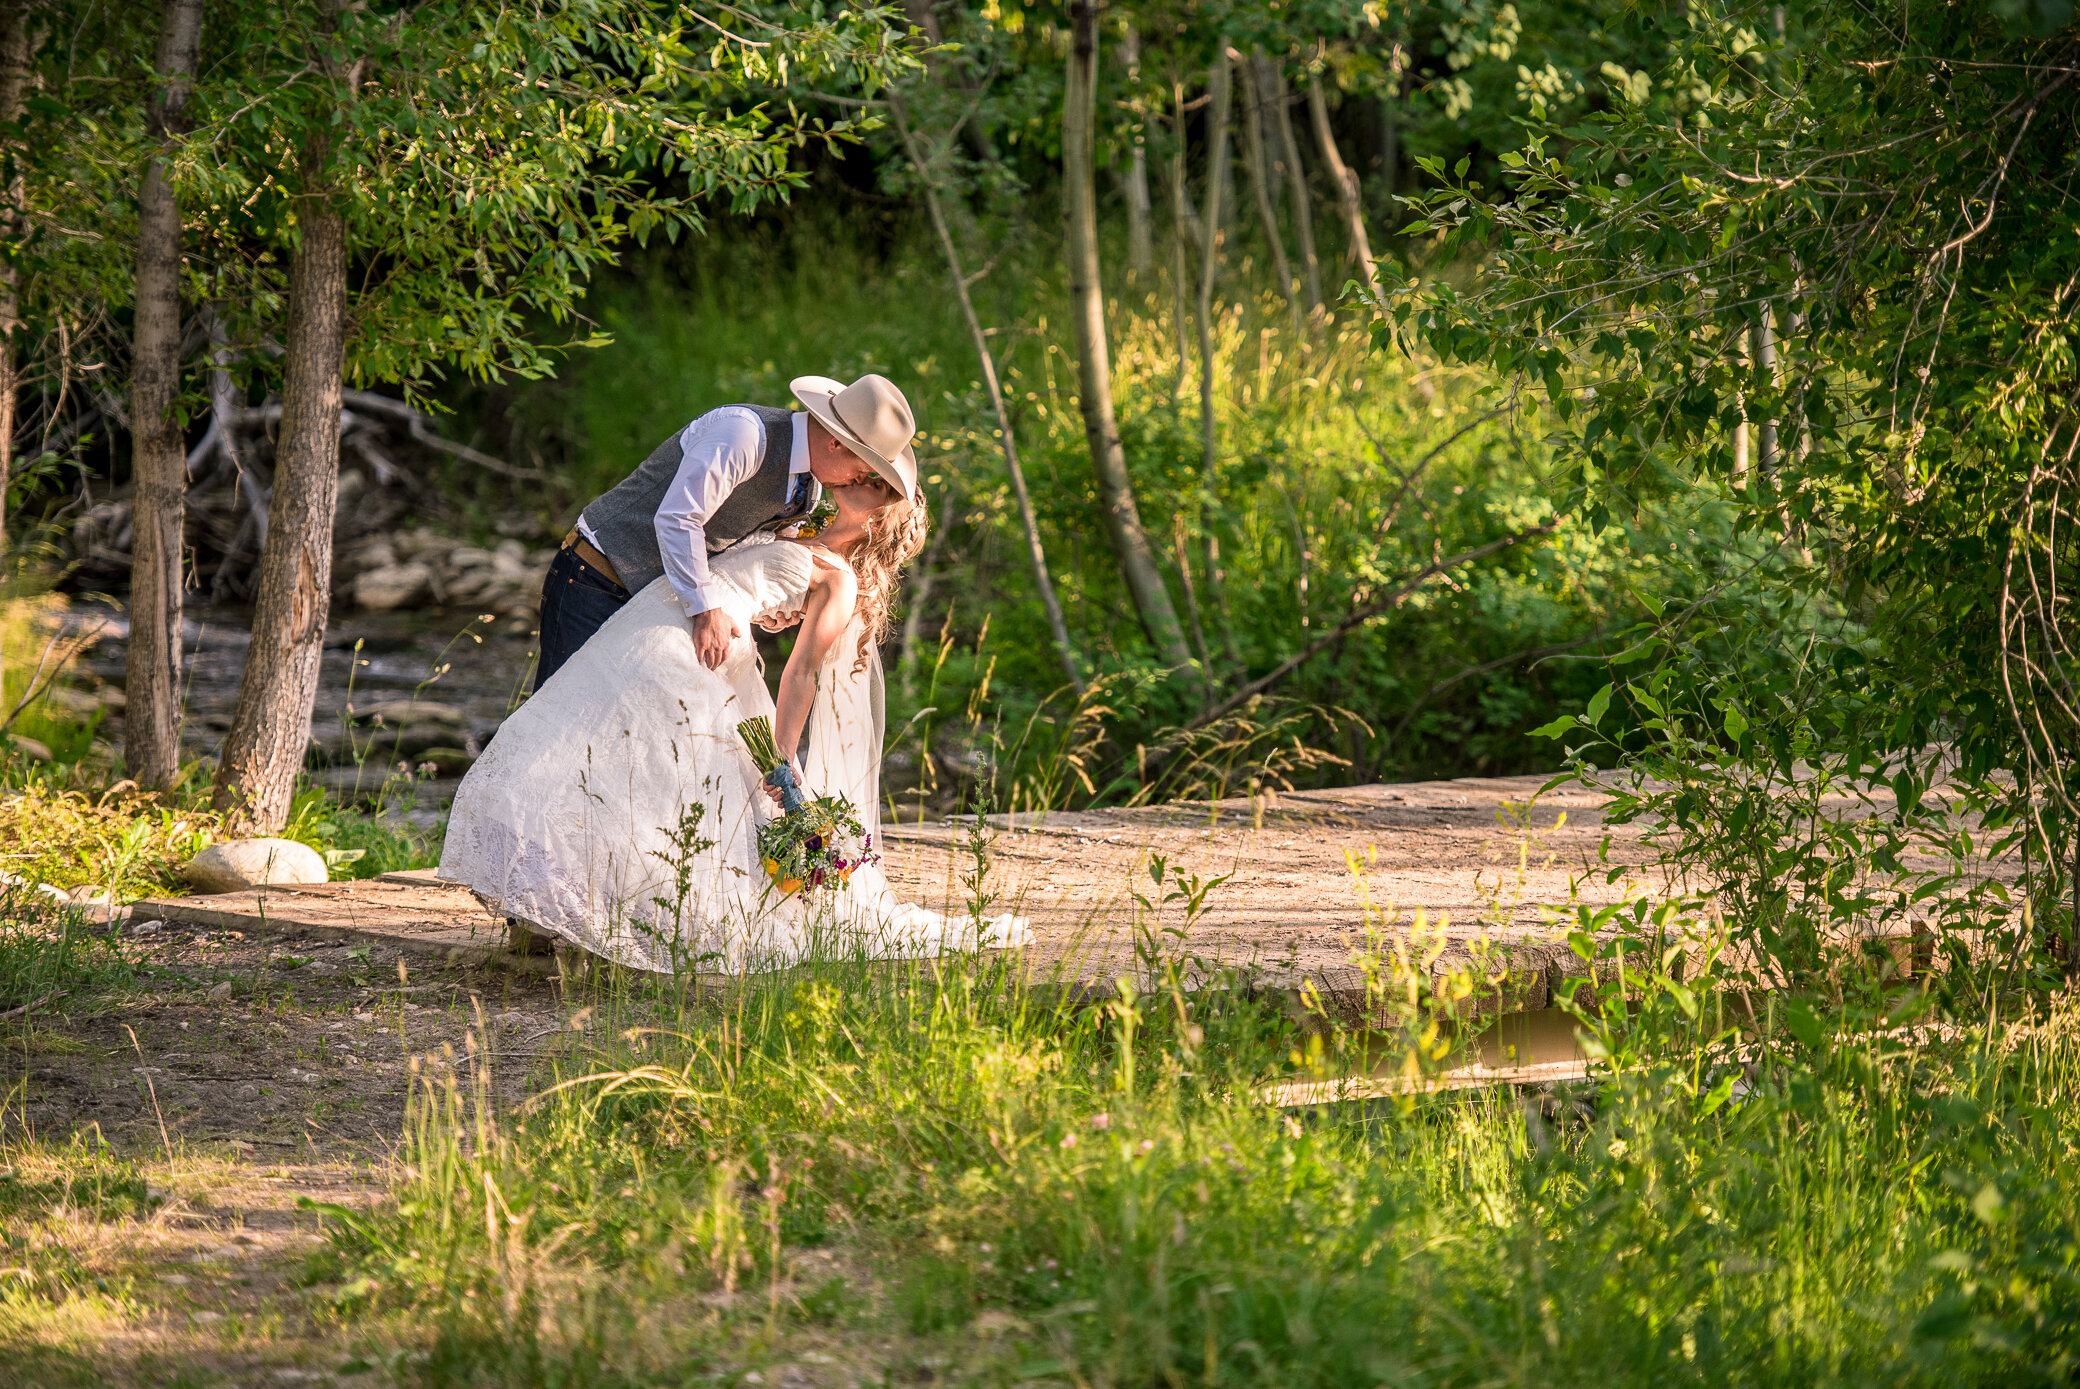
(1853,241)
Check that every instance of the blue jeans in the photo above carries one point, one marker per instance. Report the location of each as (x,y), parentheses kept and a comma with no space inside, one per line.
(577,600)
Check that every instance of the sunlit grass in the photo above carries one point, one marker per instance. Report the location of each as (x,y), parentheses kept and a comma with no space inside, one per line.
(1099,1189)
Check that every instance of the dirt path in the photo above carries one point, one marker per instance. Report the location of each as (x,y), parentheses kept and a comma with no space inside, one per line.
(162,1141)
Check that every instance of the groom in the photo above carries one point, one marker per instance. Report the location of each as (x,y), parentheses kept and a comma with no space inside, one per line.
(736,470)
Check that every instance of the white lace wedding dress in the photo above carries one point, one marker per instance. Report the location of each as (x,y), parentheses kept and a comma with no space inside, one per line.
(618,809)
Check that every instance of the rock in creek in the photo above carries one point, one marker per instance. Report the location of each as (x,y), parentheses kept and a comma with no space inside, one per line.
(392,586)
(238,864)
(390,728)
(421,568)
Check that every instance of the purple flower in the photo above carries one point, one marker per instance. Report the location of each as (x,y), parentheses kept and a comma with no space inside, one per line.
(815,842)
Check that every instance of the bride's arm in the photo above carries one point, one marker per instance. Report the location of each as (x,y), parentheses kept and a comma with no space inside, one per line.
(832,595)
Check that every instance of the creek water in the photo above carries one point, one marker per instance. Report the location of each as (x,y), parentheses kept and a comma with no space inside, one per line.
(442,680)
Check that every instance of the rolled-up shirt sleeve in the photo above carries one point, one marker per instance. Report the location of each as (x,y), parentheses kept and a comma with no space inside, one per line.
(720,450)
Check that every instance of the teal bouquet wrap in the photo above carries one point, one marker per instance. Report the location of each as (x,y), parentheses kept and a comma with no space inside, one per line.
(815,844)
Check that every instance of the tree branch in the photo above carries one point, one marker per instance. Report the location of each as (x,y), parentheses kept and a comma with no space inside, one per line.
(1536,653)
(1359,616)
(415,421)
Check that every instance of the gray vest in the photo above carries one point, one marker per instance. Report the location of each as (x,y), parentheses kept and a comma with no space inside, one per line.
(624,520)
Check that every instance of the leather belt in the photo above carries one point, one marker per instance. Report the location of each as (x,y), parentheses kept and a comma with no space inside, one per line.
(588,552)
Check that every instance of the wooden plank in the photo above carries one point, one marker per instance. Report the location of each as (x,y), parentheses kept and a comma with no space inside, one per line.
(406,912)
(1291,916)
(1433,880)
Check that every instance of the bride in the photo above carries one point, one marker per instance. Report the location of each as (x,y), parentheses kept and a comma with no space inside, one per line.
(619,810)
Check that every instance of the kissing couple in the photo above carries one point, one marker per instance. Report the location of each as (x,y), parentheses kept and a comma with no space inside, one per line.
(620,808)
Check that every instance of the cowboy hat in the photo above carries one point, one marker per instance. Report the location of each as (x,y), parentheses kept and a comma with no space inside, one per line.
(869,417)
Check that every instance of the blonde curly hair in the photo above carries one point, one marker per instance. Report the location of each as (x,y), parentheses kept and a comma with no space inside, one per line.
(895,533)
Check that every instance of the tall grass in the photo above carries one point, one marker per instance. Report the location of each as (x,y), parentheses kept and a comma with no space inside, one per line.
(1101,1192)
(47,951)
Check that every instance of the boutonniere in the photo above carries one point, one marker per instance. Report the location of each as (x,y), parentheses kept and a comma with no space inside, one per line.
(817,519)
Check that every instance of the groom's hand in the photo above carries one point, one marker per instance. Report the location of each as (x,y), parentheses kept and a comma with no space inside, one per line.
(713,631)
(779,622)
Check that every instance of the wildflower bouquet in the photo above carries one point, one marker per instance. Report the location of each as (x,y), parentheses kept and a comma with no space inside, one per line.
(807,847)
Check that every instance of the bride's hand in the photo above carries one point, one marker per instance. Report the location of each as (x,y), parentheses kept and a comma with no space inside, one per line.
(779,622)
(773,792)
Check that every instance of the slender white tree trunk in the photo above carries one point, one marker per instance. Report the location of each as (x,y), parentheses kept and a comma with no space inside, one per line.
(1220,91)
(1763,337)
(1218,87)
(1094,360)
(1035,551)
(1140,242)
(1278,102)
(1346,181)
(1182,219)
(1256,164)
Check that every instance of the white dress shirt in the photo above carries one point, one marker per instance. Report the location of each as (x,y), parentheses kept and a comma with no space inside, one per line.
(720,452)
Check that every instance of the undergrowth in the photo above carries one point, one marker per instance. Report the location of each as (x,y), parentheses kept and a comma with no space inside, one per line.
(64,831)
(47,950)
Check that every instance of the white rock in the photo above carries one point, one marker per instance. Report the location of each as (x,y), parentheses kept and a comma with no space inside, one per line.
(392,586)
(403,713)
(375,554)
(512,566)
(238,864)
(473,584)
(424,544)
(77,703)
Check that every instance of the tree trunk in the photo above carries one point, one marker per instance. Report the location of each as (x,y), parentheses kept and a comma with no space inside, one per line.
(920,595)
(17,49)
(1217,85)
(270,730)
(1182,219)
(920,14)
(152,689)
(1389,153)
(1258,167)
(1221,98)
(225,407)
(1188,215)
(1140,244)
(1035,551)
(1094,363)
(1279,102)
(1346,181)
(1764,338)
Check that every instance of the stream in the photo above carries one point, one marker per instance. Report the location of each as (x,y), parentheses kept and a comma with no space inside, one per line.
(441,680)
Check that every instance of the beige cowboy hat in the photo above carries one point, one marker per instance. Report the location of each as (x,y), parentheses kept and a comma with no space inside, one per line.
(871,418)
